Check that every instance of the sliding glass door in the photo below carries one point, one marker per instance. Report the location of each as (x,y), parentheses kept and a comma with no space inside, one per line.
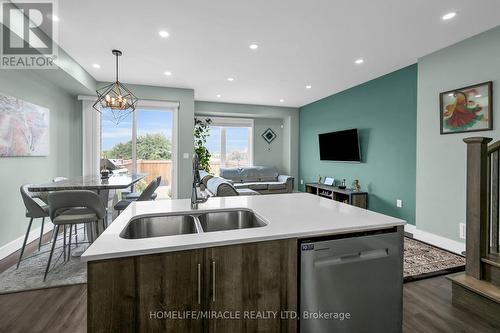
(142,143)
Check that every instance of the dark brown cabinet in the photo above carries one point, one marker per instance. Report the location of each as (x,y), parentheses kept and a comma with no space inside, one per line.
(238,288)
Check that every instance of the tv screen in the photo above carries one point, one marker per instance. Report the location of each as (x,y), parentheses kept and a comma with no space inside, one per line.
(339,146)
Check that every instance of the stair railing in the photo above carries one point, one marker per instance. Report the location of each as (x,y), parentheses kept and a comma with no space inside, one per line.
(482,217)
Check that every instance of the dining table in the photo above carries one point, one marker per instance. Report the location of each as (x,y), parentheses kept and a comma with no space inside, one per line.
(93,183)
(90,182)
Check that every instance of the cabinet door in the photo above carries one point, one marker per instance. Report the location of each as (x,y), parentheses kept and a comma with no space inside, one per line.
(259,277)
(169,284)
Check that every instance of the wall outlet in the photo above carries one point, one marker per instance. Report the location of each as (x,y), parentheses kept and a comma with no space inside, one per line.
(399,203)
(462,230)
(302,182)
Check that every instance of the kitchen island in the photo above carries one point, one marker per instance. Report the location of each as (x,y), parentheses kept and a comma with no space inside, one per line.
(202,278)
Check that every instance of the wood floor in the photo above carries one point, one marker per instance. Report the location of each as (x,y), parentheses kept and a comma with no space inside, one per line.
(427,308)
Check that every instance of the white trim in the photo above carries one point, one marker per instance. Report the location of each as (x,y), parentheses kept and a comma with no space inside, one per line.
(439,241)
(231,122)
(17,243)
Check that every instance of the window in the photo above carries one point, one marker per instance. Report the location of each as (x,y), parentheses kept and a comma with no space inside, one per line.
(230,143)
(142,143)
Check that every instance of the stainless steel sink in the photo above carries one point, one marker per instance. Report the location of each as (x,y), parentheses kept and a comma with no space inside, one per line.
(170,225)
(229,220)
(157,226)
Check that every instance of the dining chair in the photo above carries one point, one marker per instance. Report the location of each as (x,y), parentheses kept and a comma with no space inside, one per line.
(33,211)
(72,207)
(146,195)
(135,195)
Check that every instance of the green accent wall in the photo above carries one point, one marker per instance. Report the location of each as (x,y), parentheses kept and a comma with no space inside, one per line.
(384,111)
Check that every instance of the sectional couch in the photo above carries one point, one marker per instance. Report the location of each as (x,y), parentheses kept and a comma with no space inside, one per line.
(248,181)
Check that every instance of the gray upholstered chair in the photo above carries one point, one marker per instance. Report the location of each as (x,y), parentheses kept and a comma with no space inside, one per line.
(221,187)
(135,195)
(71,208)
(33,211)
(146,195)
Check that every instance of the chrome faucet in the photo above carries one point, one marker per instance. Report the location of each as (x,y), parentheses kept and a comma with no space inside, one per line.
(196,183)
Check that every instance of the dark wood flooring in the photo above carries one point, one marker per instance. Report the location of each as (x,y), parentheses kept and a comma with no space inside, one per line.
(427,308)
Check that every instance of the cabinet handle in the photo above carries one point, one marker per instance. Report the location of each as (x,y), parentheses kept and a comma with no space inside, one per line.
(199,283)
(213,281)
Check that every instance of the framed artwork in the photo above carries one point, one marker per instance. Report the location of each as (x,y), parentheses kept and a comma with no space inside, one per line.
(269,135)
(24,128)
(468,109)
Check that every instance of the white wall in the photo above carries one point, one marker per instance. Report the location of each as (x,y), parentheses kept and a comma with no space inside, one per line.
(441,159)
(269,154)
(289,117)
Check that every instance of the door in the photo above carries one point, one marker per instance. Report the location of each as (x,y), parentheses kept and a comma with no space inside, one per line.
(143,142)
(169,284)
(256,282)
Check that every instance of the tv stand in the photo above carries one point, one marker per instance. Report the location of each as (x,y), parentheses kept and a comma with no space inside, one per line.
(351,197)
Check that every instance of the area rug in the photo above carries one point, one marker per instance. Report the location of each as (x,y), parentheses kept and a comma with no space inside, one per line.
(30,273)
(422,260)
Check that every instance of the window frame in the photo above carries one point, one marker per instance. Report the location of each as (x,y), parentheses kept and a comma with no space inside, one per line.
(224,122)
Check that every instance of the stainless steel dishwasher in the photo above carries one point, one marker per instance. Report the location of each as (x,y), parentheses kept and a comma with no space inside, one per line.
(352,283)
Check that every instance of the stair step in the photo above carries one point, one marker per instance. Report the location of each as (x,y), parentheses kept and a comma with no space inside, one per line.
(483,288)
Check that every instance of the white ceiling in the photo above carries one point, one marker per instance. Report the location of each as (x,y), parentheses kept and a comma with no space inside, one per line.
(300,42)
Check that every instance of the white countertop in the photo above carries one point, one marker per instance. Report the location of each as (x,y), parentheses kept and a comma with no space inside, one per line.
(292,215)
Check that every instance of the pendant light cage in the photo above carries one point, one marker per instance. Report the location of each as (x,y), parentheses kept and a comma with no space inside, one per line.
(116,98)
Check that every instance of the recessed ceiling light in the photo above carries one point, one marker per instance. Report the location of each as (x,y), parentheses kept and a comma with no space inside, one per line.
(282,100)
(308,86)
(163,33)
(451,95)
(477,96)
(448,16)
(96,66)
(359,61)
(54,18)
(218,95)
(230,79)
(253,46)
(167,73)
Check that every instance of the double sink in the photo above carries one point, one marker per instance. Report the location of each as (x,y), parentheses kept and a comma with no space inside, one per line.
(180,224)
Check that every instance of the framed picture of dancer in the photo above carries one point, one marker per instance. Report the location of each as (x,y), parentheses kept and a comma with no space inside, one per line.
(468,109)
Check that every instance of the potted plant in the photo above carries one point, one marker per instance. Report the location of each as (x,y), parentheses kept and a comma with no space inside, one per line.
(201,133)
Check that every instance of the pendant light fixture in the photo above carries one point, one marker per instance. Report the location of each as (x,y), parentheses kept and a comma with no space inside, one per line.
(116,97)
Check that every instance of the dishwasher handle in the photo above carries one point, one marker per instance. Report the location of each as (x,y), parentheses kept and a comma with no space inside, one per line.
(351,258)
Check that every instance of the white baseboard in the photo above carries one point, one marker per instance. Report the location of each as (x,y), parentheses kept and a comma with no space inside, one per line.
(17,243)
(439,241)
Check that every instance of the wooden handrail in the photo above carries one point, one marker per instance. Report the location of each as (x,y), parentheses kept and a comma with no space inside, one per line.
(494,147)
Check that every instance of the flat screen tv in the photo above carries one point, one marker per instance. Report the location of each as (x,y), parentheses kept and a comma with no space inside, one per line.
(340,146)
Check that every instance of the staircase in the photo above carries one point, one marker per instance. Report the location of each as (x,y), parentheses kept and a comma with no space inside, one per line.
(478,289)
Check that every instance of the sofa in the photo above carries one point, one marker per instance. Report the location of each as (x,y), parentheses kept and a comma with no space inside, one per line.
(262,179)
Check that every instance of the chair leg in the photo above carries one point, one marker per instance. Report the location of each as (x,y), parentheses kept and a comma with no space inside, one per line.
(51,252)
(91,234)
(69,241)
(96,226)
(84,231)
(76,235)
(41,234)
(24,243)
(64,242)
